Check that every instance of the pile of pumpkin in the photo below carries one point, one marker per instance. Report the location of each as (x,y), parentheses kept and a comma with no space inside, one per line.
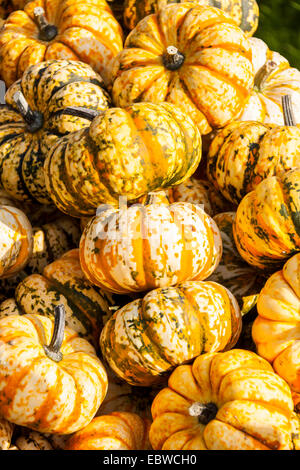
(149,228)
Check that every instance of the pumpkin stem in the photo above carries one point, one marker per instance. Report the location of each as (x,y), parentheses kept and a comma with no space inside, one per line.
(53,350)
(159,197)
(288,115)
(263,73)
(80,111)
(172,58)
(47,31)
(34,119)
(205,412)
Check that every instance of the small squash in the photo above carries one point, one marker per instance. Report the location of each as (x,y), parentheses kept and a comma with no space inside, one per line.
(274,78)
(63,282)
(244,153)
(51,380)
(232,271)
(244,12)
(6,432)
(116,431)
(208,74)
(16,241)
(145,340)
(149,245)
(52,99)
(32,440)
(276,330)
(224,401)
(267,225)
(59,29)
(125,152)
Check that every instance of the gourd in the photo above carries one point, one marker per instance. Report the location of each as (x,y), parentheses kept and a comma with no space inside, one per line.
(149,245)
(52,99)
(63,282)
(32,440)
(6,432)
(244,12)
(116,431)
(124,153)
(59,29)
(266,228)
(244,153)
(51,379)
(276,330)
(146,339)
(224,401)
(274,77)
(208,74)
(16,241)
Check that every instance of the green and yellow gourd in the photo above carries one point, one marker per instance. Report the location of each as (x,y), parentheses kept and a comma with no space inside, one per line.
(63,283)
(125,152)
(52,99)
(244,12)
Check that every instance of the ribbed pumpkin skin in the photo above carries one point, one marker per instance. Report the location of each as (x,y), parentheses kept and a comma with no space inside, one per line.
(211,86)
(125,152)
(49,87)
(254,406)
(87,32)
(149,337)
(276,330)
(63,282)
(147,246)
(116,431)
(7,6)
(266,229)
(264,103)
(243,154)
(36,392)
(244,12)
(16,241)
(232,272)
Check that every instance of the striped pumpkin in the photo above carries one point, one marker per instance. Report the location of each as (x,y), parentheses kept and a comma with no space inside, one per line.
(115,431)
(52,99)
(233,272)
(276,330)
(266,228)
(16,241)
(59,29)
(149,245)
(125,152)
(149,337)
(274,78)
(243,154)
(51,379)
(225,401)
(209,74)
(63,283)
(244,12)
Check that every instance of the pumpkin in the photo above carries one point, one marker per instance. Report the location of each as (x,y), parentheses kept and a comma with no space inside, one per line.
(243,154)
(16,242)
(276,330)
(274,78)
(115,431)
(244,12)
(224,401)
(52,99)
(232,271)
(208,74)
(6,432)
(266,228)
(146,339)
(63,282)
(51,379)
(32,440)
(125,152)
(199,191)
(149,245)
(59,29)
(7,6)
